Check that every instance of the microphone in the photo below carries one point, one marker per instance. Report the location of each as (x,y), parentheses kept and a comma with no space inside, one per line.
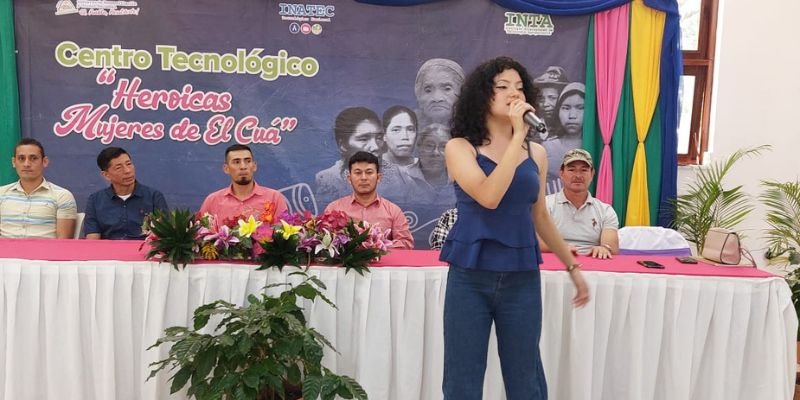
(534,121)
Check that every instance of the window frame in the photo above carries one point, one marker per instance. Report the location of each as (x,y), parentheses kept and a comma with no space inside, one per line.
(700,64)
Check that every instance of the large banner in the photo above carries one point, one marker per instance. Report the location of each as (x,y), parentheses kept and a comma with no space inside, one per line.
(304,84)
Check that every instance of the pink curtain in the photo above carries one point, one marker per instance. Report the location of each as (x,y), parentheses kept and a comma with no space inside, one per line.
(611,51)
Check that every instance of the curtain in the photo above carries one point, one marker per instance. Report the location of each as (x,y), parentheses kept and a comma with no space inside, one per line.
(671,69)
(647,30)
(623,147)
(652,147)
(591,139)
(9,96)
(611,50)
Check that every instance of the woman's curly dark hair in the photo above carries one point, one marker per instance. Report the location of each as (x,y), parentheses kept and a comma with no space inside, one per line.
(469,115)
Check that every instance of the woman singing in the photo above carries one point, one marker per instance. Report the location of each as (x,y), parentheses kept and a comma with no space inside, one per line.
(492,250)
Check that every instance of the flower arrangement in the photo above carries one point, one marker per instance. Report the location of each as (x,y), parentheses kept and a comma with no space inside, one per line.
(171,236)
(296,239)
(330,238)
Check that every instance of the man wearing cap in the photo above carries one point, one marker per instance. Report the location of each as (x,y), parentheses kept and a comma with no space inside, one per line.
(550,84)
(587,224)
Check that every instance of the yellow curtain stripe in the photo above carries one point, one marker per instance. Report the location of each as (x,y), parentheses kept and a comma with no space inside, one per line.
(647,32)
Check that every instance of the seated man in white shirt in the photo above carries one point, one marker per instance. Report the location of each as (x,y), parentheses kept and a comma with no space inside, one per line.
(588,225)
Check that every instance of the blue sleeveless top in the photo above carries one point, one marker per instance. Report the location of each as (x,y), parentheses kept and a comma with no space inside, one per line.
(503,239)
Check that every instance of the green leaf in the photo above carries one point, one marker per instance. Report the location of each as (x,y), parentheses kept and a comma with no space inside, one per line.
(200,321)
(293,374)
(205,362)
(344,393)
(274,382)
(251,378)
(353,387)
(241,394)
(317,282)
(198,389)
(312,385)
(226,341)
(289,347)
(306,291)
(330,384)
(273,367)
(245,344)
(179,379)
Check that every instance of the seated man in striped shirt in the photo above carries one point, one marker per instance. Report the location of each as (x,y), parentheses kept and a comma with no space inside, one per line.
(32,207)
(365,204)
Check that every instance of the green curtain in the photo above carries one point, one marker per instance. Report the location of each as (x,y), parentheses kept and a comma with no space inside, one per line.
(623,145)
(652,146)
(592,141)
(9,96)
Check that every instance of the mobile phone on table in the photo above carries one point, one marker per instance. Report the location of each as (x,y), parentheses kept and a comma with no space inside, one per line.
(686,260)
(650,264)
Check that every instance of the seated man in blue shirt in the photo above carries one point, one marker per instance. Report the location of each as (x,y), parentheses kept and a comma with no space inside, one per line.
(117,212)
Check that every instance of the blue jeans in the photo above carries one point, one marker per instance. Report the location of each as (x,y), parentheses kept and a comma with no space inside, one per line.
(513,301)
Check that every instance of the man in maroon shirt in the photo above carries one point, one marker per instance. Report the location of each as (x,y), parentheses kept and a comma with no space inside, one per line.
(365,204)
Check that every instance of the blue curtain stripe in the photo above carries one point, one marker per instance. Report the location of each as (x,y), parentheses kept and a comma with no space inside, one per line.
(671,69)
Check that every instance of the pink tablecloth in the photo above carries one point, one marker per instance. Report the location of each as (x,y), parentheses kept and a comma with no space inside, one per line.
(119,250)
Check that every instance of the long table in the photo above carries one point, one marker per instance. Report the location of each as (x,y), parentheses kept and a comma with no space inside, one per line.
(76,318)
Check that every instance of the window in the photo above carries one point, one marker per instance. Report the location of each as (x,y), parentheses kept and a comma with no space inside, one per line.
(698,33)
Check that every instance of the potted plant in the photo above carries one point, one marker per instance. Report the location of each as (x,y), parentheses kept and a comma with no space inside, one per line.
(263,350)
(708,203)
(782,200)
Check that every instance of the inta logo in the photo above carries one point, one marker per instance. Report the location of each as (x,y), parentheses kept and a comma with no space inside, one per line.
(528,24)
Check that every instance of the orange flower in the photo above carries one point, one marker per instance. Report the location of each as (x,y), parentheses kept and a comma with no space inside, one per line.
(268,213)
(209,251)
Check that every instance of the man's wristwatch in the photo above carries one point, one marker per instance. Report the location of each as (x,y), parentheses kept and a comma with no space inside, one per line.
(571,267)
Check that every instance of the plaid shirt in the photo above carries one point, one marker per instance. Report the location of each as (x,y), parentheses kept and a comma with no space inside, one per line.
(439,233)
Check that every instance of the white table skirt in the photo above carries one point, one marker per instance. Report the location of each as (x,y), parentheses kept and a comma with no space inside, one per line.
(79,330)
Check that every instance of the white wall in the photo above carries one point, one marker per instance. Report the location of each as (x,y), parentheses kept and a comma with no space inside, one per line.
(757,84)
